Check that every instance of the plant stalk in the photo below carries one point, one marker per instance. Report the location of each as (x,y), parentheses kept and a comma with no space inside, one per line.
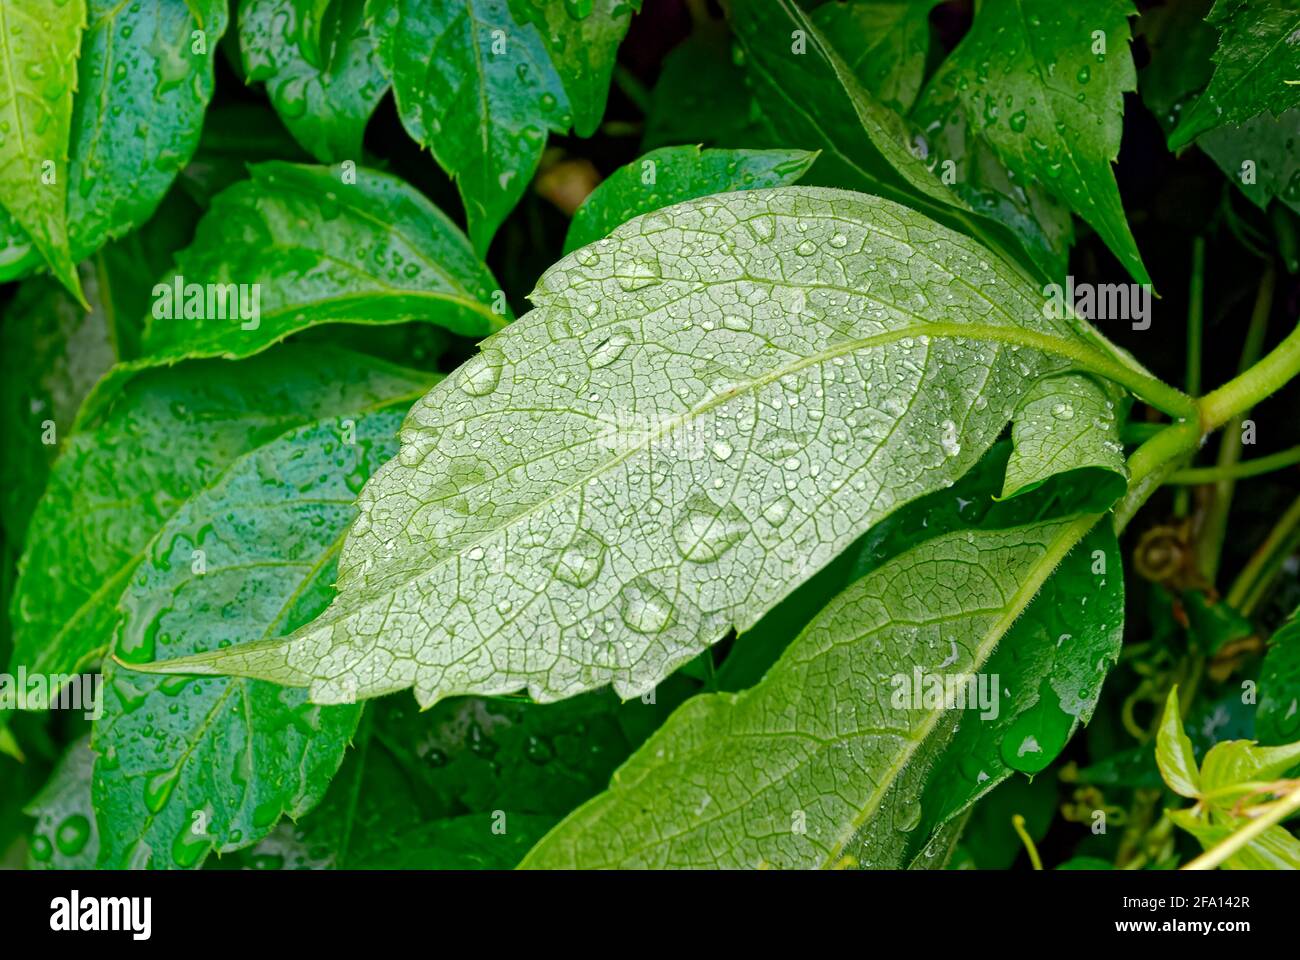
(1220,852)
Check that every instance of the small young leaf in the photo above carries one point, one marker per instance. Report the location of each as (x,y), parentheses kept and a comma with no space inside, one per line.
(325,107)
(1174,751)
(66,836)
(660,454)
(673,174)
(1258,53)
(1233,763)
(1274,849)
(582,37)
(785,774)
(38,78)
(478,89)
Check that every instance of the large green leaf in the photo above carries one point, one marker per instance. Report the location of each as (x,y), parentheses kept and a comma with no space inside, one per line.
(1050,667)
(884,43)
(38,78)
(1256,65)
(1043,82)
(582,37)
(191,766)
(65,836)
(811,99)
(325,107)
(145,76)
(477,89)
(168,435)
(659,454)
(816,765)
(1174,751)
(673,174)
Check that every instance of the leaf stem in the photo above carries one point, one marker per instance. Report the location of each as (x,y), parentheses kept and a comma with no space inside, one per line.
(1151,464)
(1217,854)
(1236,471)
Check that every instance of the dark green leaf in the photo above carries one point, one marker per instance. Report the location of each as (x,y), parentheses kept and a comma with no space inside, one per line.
(884,43)
(673,174)
(477,89)
(325,107)
(1256,65)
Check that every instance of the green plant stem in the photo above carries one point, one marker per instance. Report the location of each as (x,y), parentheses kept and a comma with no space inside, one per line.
(1260,381)
(1151,464)
(1214,525)
(1220,852)
(1236,471)
(1250,585)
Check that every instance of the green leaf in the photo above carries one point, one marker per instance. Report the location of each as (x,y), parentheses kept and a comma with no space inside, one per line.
(1261,156)
(673,174)
(812,100)
(1180,44)
(1036,83)
(1277,719)
(1174,751)
(884,43)
(66,836)
(582,37)
(967,162)
(253,555)
(145,79)
(453,770)
(1065,423)
(1085,863)
(660,455)
(325,108)
(235,135)
(787,773)
(477,89)
(308,19)
(304,248)
(700,96)
(168,435)
(1274,849)
(38,77)
(1234,763)
(1050,667)
(1257,55)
